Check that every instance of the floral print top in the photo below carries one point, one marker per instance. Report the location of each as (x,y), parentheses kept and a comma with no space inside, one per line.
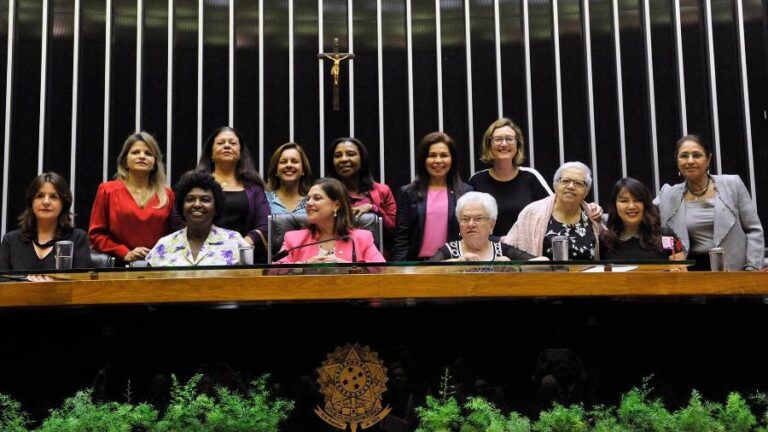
(222,247)
(581,239)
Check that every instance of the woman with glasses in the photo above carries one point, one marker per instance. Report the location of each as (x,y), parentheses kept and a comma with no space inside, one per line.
(476,213)
(563,214)
(707,211)
(425,208)
(512,185)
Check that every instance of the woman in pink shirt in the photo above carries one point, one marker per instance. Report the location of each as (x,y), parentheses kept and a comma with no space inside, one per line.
(329,236)
(426,207)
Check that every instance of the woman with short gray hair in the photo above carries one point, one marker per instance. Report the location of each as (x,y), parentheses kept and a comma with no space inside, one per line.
(564,214)
(477,213)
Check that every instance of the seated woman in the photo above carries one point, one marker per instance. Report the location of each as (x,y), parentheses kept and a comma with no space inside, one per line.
(707,211)
(329,217)
(138,197)
(426,207)
(633,229)
(200,243)
(476,213)
(563,214)
(45,221)
(288,179)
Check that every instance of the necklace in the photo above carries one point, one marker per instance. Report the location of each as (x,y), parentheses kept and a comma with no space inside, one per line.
(45,245)
(700,192)
(223,182)
(628,235)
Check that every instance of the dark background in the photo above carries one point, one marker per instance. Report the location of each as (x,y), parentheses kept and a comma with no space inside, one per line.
(540,123)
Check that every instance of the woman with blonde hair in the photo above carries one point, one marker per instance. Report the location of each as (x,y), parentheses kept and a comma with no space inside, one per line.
(132,212)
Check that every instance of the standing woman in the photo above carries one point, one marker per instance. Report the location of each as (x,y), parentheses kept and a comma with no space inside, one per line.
(288,180)
(707,211)
(131,213)
(512,185)
(245,204)
(45,221)
(348,162)
(426,207)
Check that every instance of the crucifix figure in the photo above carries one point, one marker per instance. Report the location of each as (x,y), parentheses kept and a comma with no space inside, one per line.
(336,57)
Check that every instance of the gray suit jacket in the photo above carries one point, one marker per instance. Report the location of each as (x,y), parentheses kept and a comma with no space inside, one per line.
(737,227)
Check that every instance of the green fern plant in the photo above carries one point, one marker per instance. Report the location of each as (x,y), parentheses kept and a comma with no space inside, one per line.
(637,413)
(441,414)
(698,416)
(80,413)
(483,416)
(736,416)
(12,418)
(192,411)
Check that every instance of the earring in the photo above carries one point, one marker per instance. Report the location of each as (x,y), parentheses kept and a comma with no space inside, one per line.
(334,213)
(679,174)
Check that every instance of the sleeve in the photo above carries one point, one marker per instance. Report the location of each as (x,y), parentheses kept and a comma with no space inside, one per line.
(261,207)
(99,231)
(403,229)
(750,223)
(387,208)
(5,254)
(515,254)
(442,254)
(370,252)
(82,258)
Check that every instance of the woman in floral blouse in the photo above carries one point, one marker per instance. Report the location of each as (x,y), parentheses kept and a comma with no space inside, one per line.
(201,243)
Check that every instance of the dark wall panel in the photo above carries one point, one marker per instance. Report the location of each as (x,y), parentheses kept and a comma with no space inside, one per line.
(696,68)
(454,65)
(154,77)
(543,88)
(666,87)
(247,73)
(484,88)
(90,108)
(3,72)
(58,117)
(425,109)
(306,83)
(606,97)
(184,145)
(573,63)
(123,78)
(25,115)
(367,80)
(637,120)
(396,120)
(512,66)
(729,94)
(276,127)
(215,66)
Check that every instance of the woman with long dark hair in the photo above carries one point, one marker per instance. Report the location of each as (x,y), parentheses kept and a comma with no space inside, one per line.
(426,207)
(226,157)
(349,163)
(634,229)
(45,220)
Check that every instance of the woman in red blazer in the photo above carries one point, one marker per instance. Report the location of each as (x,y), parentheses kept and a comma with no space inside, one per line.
(329,219)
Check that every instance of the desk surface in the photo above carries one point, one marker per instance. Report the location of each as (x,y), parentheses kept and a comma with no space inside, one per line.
(252,285)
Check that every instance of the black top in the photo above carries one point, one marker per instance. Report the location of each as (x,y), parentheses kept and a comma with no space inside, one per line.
(632,250)
(452,250)
(234,216)
(19,254)
(581,238)
(511,196)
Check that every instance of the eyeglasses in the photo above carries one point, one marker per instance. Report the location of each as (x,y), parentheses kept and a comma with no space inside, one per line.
(695,155)
(464,220)
(510,139)
(578,184)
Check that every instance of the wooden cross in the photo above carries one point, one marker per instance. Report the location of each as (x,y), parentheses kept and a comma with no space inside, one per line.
(336,57)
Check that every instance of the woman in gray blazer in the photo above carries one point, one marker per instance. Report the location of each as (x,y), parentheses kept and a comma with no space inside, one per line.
(707,211)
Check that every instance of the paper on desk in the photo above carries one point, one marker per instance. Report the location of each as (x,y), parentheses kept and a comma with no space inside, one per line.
(615,268)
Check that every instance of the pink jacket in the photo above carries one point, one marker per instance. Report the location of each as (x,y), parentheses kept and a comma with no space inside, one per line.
(363,239)
(531,226)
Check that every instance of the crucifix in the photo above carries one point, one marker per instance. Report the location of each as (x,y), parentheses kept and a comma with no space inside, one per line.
(336,57)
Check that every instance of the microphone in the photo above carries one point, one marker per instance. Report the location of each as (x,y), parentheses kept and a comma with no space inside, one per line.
(285,252)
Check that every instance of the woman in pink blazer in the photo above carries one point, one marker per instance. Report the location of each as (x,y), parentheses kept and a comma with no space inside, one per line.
(329,236)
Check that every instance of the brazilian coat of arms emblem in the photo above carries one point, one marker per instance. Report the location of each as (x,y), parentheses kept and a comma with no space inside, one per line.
(352,380)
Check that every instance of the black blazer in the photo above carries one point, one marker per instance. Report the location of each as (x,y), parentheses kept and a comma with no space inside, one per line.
(411,212)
